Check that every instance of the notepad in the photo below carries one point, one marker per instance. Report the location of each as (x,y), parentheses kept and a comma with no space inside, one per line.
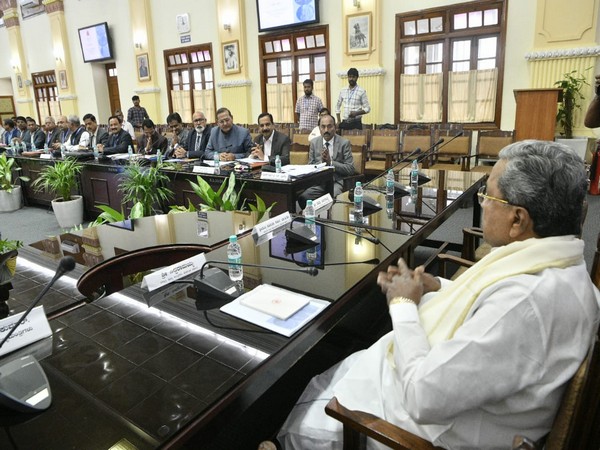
(275,302)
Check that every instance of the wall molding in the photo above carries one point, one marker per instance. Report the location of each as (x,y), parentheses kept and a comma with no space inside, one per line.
(365,72)
(24,100)
(152,90)
(234,83)
(581,52)
(67,97)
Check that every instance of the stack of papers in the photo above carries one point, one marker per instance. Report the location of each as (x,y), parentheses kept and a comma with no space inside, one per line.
(303,170)
(275,309)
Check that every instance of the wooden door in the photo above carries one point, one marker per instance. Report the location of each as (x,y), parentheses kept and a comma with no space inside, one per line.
(113,87)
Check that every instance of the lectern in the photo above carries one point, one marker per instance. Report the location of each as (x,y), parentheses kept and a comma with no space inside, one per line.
(536,113)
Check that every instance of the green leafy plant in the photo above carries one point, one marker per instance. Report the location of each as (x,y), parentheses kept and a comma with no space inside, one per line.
(224,199)
(6,173)
(146,185)
(571,85)
(110,215)
(261,207)
(6,245)
(59,178)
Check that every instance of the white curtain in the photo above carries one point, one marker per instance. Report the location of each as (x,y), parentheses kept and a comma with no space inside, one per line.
(203,101)
(44,111)
(279,102)
(182,103)
(421,97)
(472,96)
(54,109)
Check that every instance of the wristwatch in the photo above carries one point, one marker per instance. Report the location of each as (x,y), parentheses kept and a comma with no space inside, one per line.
(398,300)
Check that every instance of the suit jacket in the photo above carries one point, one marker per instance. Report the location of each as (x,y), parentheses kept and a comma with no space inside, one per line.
(38,139)
(101,137)
(190,145)
(342,160)
(118,143)
(280,145)
(54,137)
(159,142)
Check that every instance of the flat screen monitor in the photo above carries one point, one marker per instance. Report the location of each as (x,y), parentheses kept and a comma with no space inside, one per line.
(277,14)
(315,256)
(95,43)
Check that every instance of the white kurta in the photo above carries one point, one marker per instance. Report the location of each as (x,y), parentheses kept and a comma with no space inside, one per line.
(502,373)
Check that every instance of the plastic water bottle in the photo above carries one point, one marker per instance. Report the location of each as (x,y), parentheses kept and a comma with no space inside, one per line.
(23,147)
(234,257)
(389,192)
(358,203)
(130,151)
(217,163)
(46,148)
(278,165)
(309,216)
(414,180)
(96,153)
(158,156)
(63,151)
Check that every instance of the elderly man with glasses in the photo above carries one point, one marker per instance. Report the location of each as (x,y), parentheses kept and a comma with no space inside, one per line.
(471,363)
(229,140)
(197,138)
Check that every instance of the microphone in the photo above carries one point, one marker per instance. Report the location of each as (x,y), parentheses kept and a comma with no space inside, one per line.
(371,239)
(23,383)
(215,284)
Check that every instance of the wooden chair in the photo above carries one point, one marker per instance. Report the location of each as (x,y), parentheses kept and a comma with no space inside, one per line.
(357,137)
(300,137)
(414,138)
(383,150)
(359,157)
(451,154)
(489,144)
(299,154)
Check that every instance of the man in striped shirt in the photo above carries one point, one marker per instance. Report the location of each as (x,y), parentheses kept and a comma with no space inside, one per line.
(355,101)
(308,107)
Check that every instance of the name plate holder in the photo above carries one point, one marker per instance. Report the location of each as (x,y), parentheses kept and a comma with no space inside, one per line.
(46,156)
(207,170)
(273,176)
(33,328)
(322,202)
(264,231)
(173,272)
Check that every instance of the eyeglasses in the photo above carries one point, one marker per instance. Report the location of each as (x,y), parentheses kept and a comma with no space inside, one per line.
(481,196)
(199,120)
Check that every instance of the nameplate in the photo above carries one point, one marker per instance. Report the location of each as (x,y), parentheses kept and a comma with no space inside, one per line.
(173,272)
(203,169)
(46,156)
(33,328)
(160,295)
(323,202)
(264,231)
(273,176)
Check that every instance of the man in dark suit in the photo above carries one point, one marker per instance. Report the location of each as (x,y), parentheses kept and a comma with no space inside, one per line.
(197,139)
(118,141)
(151,141)
(34,137)
(53,133)
(333,150)
(270,143)
(97,135)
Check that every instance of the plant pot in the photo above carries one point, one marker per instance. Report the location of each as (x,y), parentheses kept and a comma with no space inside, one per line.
(11,201)
(68,214)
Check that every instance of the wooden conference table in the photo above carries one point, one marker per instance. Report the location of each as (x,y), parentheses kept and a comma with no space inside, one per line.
(176,376)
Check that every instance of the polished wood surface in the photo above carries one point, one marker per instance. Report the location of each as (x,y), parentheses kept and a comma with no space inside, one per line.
(536,113)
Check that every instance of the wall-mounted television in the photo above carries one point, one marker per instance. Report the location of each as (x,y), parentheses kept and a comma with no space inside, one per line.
(95,43)
(277,14)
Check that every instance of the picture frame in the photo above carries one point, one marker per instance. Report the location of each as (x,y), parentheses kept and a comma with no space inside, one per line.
(358,33)
(231,57)
(19,81)
(142,67)
(62,80)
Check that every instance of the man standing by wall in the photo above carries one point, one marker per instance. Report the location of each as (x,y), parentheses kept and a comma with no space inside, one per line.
(136,113)
(355,102)
(308,107)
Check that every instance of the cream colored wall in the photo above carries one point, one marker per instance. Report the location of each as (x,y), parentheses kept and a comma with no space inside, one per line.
(206,27)
(6,86)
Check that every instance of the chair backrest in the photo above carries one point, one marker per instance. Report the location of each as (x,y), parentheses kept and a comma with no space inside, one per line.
(299,154)
(300,137)
(359,156)
(489,143)
(358,139)
(385,141)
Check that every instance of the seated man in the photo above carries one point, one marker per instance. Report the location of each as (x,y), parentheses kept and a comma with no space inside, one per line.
(180,135)
(126,125)
(119,140)
(197,139)
(35,137)
(64,132)
(97,135)
(228,139)
(10,132)
(53,133)
(151,141)
(270,142)
(333,150)
(489,355)
(316,132)
(79,139)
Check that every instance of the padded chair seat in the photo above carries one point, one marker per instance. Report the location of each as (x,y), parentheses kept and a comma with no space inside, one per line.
(482,169)
(298,158)
(444,166)
(375,165)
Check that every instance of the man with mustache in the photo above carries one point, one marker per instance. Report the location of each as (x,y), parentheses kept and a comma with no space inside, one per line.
(332,150)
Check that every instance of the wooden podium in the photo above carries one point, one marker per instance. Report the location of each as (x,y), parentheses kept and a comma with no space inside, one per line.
(536,113)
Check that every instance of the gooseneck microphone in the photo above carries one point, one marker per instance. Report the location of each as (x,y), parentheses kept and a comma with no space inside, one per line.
(65,265)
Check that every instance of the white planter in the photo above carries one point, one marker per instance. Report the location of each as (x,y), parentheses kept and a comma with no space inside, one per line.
(579,144)
(11,201)
(68,214)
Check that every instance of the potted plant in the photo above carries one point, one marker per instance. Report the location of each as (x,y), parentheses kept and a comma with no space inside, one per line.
(572,85)
(146,185)
(8,258)
(10,194)
(61,179)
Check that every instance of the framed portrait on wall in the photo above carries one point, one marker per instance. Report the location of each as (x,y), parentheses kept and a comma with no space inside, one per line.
(358,29)
(143,69)
(231,57)
(62,79)
(19,81)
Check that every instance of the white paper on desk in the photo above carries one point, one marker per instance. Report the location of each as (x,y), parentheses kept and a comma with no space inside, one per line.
(119,156)
(284,327)
(173,272)
(302,170)
(211,163)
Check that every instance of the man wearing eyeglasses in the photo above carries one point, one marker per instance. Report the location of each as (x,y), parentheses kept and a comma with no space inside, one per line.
(197,138)
(228,139)
(471,363)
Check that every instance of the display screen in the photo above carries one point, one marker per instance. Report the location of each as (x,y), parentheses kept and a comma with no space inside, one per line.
(276,14)
(95,43)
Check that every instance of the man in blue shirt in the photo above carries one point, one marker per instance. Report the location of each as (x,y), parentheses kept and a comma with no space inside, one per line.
(10,132)
(229,140)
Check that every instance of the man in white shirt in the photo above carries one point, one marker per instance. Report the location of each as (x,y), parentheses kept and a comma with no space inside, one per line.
(473,362)
(355,102)
(79,139)
(270,142)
